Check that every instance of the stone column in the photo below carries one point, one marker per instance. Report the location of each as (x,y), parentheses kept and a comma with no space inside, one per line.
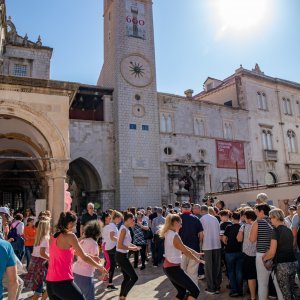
(108,108)
(50,194)
(59,176)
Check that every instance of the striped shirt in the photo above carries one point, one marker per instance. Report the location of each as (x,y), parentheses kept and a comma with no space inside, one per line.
(264,235)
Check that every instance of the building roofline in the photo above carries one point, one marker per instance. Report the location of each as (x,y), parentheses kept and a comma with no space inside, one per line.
(269,78)
(30,46)
(202,101)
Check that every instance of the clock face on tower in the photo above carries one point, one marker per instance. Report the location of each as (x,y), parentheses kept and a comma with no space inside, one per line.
(136,70)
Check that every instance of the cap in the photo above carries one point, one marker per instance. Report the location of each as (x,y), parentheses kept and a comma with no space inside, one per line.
(4,210)
(292,207)
(186,205)
(159,210)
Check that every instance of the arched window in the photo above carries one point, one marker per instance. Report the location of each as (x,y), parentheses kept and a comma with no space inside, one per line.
(287,107)
(259,100)
(292,144)
(262,101)
(166,123)
(264,139)
(267,139)
(199,127)
(163,123)
(228,134)
(284,104)
(169,123)
(298,107)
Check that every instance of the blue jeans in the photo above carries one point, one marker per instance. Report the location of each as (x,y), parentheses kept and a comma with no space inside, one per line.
(28,251)
(86,286)
(158,250)
(235,271)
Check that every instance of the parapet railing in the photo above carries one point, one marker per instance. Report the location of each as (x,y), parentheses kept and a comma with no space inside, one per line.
(258,187)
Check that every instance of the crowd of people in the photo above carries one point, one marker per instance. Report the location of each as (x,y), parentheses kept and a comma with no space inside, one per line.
(255,249)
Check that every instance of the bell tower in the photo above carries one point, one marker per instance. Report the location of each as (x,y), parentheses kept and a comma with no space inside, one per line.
(129,68)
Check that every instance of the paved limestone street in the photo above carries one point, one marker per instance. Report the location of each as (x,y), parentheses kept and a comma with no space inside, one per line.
(152,284)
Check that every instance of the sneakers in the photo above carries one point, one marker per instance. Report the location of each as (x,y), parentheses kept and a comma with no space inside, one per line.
(142,267)
(111,288)
(210,292)
(201,277)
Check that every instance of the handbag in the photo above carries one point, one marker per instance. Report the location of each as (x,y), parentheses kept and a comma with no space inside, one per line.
(269,264)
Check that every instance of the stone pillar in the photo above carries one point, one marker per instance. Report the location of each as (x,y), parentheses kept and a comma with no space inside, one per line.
(59,176)
(108,108)
(58,197)
(50,194)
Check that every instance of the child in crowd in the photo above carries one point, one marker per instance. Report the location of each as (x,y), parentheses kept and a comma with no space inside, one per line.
(83,272)
(29,237)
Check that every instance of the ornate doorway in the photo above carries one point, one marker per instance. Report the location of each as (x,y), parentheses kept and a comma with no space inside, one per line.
(194,177)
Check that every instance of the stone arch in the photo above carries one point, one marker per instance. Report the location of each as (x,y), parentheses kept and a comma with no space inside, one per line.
(33,151)
(84,183)
(40,121)
(271,178)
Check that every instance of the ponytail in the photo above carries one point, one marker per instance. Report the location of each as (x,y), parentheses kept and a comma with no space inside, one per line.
(64,219)
(170,220)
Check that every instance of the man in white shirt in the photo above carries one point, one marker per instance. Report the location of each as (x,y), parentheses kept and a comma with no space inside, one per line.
(211,247)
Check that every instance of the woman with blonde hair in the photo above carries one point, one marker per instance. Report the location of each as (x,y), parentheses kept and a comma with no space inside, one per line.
(37,269)
(174,248)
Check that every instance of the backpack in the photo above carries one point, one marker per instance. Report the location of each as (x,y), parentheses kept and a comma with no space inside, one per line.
(13,232)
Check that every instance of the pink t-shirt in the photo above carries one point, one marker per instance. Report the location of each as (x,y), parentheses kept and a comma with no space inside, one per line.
(60,263)
(90,247)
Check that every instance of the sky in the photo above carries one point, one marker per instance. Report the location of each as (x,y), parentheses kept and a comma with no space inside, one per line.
(194,39)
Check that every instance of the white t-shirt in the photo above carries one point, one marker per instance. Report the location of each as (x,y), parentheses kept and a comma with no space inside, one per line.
(80,267)
(126,241)
(44,244)
(109,244)
(211,228)
(172,254)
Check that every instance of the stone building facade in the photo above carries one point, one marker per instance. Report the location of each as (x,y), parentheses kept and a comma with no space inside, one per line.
(121,143)
(189,150)
(273,107)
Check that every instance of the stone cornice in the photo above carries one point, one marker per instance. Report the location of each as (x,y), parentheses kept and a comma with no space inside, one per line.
(30,46)
(275,80)
(43,86)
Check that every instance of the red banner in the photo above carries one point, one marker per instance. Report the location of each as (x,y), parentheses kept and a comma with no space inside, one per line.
(229,153)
